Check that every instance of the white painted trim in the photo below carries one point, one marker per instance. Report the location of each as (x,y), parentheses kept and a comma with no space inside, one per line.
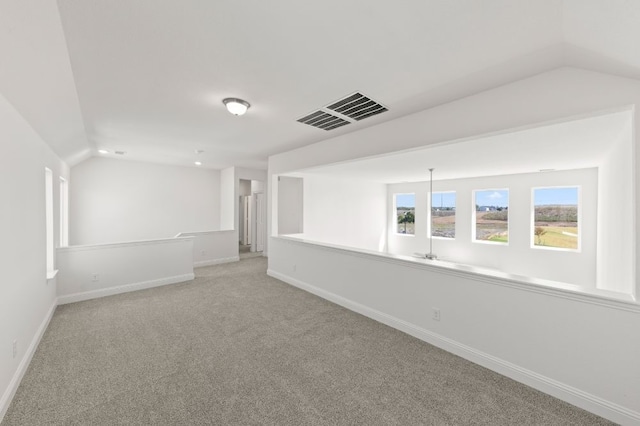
(577,397)
(126,288)
(210,262)
(52,274)
(552,288)
(10,392)
(172,240)
(193,234)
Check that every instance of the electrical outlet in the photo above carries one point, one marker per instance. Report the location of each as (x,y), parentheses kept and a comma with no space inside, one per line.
(436,314)
(95,277)
(15,348)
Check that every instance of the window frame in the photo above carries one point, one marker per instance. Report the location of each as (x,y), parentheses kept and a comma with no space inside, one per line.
(474,218)
(430,214)
(395,214)
(533,220)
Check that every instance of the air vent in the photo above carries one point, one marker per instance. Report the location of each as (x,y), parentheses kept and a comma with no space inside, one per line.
(348,110)
(323,120)
(357,106)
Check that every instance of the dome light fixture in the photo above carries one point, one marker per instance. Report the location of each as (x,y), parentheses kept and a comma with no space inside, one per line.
(236,106)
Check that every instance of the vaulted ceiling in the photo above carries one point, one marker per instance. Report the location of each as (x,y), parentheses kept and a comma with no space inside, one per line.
(148,76)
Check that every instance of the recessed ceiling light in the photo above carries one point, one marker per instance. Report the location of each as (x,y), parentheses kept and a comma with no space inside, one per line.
(103,151)
(120,152)
(236,106)
(198,163)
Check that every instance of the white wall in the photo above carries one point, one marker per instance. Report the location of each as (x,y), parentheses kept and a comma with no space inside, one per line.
(89,272)
(27,299)
(616,241)
(516,257)
(531,332)
(578,349)
(213,247)
(345,212)
(290,205)
(227,198)
(116,200)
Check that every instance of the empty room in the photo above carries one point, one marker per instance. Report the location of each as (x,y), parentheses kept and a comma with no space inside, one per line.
(296,213)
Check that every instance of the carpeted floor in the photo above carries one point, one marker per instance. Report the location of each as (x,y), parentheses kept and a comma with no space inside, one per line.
(236,347)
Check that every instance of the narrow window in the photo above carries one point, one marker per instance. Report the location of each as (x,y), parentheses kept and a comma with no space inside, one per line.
(555,218)
(64,213)
(491,222)
(443,214)
(48,177)
(405,205)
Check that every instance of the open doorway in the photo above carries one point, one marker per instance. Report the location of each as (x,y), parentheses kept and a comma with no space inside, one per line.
(251,215)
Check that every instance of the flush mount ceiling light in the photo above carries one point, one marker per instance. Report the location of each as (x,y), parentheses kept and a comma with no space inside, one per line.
(198,163)
(236,106)
(103,151)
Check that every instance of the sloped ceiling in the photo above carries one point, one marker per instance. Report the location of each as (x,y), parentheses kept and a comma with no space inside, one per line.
(148,77)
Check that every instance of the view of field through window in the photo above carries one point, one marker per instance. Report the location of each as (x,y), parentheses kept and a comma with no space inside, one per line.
(405,213)
(492,215)
(443,214)
(555,217)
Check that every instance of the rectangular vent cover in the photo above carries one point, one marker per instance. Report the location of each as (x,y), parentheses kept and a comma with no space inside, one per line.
(323,120)
(345,111)
(357,106)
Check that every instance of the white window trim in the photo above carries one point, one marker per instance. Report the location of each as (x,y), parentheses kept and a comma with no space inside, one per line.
(395,214)
(473,218)
(533,220)
(429,213)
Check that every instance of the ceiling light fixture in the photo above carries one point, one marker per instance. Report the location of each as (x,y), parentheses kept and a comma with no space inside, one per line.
(103,151)
(198,163)
(236,106)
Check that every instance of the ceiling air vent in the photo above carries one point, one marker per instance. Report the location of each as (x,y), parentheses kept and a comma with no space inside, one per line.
(345,111)
(357,106)
(323,120)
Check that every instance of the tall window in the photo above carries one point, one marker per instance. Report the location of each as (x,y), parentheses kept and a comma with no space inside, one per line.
(443,214)
(555,218)
(491,222)
(48,181)
(64,213)
(405,205)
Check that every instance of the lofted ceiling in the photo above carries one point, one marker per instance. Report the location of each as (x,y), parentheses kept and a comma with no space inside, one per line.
(147,77)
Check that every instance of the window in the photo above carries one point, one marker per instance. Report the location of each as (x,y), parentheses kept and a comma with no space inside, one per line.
(64,213)
(555,218)
(443,214)
(405,205)
(491,222)
(48,181)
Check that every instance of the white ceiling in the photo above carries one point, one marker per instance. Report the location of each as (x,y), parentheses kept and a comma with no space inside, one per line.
(581,143)
(148,76)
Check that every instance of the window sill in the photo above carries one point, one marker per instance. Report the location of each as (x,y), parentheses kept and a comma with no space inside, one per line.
(52,274)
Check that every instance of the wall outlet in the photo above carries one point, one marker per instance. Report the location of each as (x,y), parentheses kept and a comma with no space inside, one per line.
(95,277)
(15,348)
(436,314)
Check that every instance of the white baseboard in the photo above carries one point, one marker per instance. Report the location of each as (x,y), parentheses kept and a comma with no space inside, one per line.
(210,262)
(10,392)
(577,397)
(94,294)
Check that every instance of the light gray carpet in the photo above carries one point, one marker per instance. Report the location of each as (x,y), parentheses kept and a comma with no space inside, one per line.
(236,347)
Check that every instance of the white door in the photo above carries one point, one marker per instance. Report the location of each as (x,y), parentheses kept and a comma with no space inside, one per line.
(260,221)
